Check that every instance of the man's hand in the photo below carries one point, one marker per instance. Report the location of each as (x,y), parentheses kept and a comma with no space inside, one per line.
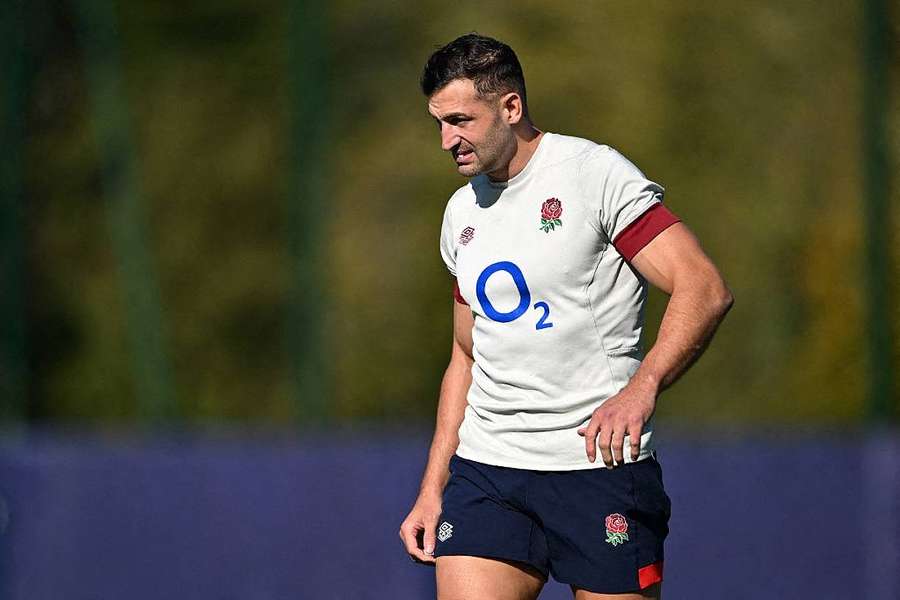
(624,413)
(419,527)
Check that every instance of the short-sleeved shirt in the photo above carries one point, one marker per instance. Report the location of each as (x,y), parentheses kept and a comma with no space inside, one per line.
(542,260)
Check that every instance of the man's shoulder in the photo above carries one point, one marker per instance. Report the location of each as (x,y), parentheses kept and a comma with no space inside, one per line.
(573,143)
(592,158)
(567,148)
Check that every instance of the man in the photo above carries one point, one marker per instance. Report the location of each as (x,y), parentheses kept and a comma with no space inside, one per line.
(551,243)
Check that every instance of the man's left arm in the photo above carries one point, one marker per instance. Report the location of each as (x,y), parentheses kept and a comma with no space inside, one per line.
(699,299)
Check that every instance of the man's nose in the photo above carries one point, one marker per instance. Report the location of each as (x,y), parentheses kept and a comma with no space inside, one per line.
(449,139)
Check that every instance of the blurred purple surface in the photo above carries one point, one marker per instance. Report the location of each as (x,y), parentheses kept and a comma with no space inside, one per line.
(250,517)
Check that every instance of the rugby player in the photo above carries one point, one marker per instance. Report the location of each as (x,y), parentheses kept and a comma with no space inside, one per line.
(552,243)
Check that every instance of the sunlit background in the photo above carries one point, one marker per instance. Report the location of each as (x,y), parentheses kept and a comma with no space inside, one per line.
(225,318)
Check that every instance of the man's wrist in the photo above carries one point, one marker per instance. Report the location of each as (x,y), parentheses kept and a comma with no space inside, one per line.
(433,485)
(431,492)
(644,380)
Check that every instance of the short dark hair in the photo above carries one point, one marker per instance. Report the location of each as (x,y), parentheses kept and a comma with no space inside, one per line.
(491,65)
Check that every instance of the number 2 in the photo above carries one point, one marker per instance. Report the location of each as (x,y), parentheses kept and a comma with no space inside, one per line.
(542,322)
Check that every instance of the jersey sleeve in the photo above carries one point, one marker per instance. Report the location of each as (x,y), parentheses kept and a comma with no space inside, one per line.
(619,192)
(448,253)
(457,295)
(448,242)
(642,230)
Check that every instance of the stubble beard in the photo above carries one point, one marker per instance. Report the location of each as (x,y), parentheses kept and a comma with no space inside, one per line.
(490,154)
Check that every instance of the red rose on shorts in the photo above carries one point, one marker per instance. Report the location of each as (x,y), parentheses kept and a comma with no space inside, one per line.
(552,209)
(616,523)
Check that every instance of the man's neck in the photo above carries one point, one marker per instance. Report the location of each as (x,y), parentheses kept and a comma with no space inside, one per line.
(526,145)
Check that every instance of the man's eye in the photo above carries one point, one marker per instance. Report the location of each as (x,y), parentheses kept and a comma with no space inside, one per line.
(452,121)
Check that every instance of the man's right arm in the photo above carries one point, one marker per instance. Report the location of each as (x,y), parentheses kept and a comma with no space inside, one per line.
(422,519)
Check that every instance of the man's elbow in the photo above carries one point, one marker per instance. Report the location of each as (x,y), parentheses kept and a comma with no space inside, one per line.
(720,297)
(714,293)
(707,289)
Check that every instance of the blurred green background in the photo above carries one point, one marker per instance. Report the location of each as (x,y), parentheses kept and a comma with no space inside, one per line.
(228,211)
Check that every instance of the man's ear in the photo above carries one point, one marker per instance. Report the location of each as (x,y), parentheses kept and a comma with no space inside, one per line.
(513,109)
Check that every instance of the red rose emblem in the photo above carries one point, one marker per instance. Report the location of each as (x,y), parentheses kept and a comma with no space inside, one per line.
(616,523)
(552,209)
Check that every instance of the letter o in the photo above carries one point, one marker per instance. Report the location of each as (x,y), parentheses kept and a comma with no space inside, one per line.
(518,278)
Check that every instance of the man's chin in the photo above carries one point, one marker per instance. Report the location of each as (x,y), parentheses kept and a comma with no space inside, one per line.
(467,170)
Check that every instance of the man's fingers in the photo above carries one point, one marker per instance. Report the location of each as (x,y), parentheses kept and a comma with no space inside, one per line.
(618,443)
(422,542)
(409,533)
(428,538)
(604,442)
(426,560)
(590,438)
(634,440)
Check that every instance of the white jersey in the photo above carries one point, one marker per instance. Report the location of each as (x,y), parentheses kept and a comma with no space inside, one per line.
(541,260)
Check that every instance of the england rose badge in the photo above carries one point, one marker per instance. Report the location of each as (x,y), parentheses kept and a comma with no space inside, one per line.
(550,213)
(616,529)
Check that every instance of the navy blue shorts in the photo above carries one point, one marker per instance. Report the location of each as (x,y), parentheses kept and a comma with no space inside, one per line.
(600,529)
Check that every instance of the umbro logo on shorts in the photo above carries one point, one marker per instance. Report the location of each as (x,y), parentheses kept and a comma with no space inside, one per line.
(445,531)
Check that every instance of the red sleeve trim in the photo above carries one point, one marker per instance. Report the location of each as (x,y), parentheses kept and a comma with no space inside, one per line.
(650,574)
(457,295)
(642,231)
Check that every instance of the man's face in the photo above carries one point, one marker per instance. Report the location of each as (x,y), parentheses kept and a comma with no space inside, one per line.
(472,128)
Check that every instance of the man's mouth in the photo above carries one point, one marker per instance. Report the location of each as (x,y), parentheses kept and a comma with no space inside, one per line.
(463,156)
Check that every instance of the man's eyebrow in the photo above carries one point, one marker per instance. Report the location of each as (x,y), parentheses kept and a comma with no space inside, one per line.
(453,115)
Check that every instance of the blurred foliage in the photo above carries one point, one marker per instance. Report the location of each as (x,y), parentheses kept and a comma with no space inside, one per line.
(748,114)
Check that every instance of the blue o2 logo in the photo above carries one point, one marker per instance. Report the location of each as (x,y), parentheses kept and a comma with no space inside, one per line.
(517,277)
(524,296)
